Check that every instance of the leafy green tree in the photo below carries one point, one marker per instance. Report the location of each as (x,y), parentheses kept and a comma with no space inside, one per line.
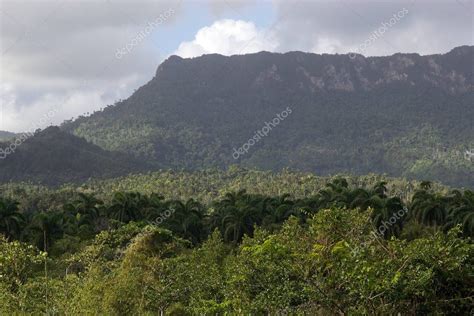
(17,263)
(268,274)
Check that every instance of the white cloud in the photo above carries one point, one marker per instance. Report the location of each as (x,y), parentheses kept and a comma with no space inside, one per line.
(327,45)
(48,49)
(228,37)
(22,116)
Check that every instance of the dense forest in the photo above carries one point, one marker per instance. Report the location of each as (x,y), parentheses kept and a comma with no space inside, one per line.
(237,242)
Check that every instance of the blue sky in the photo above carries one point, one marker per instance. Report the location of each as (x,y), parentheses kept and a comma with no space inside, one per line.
(196,15)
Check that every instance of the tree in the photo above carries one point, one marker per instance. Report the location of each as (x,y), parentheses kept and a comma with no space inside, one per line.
(238,221)
(461,211)
(186,219)
(11,220)
(17,262)
(128,206)
(87,211)
(47,227)
(429,208)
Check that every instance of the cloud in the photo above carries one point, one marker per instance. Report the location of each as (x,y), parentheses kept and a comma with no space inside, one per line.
(341,26)
(220,7)
(23,113)
(53,50)
(228,37)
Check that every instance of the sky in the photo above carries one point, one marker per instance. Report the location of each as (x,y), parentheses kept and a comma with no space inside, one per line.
(60,59)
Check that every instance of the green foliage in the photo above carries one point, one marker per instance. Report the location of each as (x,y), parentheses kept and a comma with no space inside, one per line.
(17,263)
(11,220)
(344,246)
(54,157)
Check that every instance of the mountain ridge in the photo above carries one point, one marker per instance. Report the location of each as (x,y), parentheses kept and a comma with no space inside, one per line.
(404,59)
(349,114)
(404,115)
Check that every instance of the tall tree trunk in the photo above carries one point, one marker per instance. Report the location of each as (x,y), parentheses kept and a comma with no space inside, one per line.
(45,269)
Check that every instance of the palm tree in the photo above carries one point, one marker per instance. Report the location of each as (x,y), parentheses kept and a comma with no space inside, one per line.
(215,219)
(187,219)
(236,214)
(231,198)
(154,207)
(461,211)
(127,207)
(241,217)
(380,189)
(391,215)
(276,210)
(238,222)
(11,220)
(429,208)
(47,226)
(86,211)
(335,194)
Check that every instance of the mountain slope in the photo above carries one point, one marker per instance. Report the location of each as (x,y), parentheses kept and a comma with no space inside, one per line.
(53,157)
(404,114)
(4,136)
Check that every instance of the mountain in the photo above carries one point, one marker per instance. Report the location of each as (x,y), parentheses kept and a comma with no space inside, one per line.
(53,157)
(404,115)
(4,136)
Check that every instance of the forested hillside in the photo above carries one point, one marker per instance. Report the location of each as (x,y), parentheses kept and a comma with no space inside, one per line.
(405,114)
(53,157)
(4,136)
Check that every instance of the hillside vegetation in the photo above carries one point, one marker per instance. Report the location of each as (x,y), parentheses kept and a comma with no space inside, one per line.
(53,157)
(4,136)
(404,115)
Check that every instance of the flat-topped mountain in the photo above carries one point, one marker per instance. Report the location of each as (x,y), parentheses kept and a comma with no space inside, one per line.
(404,115)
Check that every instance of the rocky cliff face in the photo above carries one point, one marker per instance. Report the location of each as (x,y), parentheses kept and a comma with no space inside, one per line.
(451,72)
